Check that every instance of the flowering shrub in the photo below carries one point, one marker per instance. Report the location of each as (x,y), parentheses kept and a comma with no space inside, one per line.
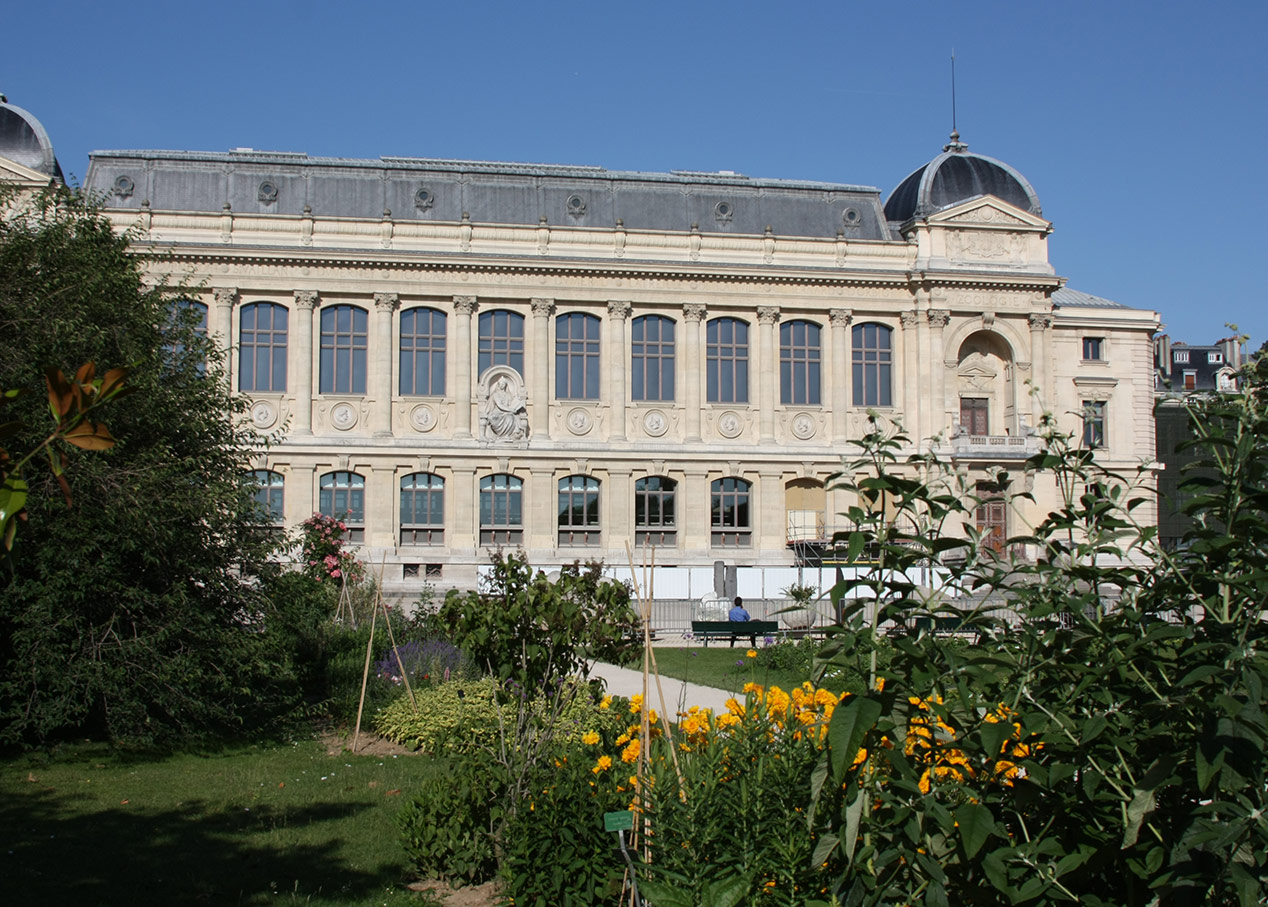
(427,662)
(322,553)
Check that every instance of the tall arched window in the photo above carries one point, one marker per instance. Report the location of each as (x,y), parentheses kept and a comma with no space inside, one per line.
(873,365)
(501,510)
(576,356)
(342,496)
(799,363)
(422,352)
(578,511)
(729,513)
(655,511)
(652,359)
(422,509)
(727,361)
(501,340)
(269,494)
(187,313)
(262,329)
(344,343)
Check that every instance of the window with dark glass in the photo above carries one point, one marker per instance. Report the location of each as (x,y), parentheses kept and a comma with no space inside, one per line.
(873,365)
(269,494)
(726,364)
(187,313)
(652,359)
(341,495)
(344,345)
(262,330)
(729,513)
(578,511)
(655,521)
(422,365)
(577,357)
(1093,348)
(422,509)
(1093,423)
(501,510)
(501,340)
(799,363)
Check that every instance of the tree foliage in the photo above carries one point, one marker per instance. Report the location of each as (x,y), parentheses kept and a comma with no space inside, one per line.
(1104,741)
(134,613)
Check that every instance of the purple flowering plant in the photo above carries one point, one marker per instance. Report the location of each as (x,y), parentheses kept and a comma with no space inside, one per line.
(427,662)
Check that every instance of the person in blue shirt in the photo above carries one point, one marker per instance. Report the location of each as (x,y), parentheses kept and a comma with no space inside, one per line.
(737,611)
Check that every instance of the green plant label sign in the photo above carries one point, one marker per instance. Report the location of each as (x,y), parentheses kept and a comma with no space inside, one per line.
(621,820)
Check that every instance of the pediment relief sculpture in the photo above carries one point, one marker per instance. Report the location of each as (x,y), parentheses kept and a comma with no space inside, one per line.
(986,214)
(978,245)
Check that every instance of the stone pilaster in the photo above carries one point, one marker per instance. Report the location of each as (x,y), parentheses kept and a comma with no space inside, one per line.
(381,357)
(462,500)
(223,300)
(537,362)
(302,364)
(767,370)
(1041,366)
(906,396)
(618,515)
(693,512)
(693,374)
(464,354)
(615,356)
(381,493)
(839,322)
(938,407)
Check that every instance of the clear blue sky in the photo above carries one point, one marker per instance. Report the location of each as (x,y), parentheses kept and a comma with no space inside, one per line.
(1143,126)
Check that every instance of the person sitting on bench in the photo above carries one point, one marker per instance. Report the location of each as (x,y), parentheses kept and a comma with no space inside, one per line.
(737,611)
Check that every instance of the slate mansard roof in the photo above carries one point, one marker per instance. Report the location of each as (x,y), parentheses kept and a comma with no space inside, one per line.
(259,182)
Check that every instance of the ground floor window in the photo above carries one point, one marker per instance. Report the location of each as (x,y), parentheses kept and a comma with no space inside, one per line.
(655,512)
(422,509)
(729,513)
(342,497)
(578,511)
(501,510)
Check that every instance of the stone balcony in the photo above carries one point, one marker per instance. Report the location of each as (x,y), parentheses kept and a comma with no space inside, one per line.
(994,447)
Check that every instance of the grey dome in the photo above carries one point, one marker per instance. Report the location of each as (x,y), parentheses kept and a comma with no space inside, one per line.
(954,176)
(24,141)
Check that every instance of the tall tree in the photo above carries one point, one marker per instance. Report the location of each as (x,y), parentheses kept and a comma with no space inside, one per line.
(134,613)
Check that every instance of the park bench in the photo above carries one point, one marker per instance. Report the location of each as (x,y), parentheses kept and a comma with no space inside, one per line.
(722,629)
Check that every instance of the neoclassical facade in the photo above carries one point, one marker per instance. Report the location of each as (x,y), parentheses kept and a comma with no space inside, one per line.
(579,362)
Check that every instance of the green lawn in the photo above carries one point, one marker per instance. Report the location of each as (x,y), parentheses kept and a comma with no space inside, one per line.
(275,825)
(727,668)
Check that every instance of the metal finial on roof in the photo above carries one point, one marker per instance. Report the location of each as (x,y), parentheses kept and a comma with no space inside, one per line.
(4,98)
(955,145)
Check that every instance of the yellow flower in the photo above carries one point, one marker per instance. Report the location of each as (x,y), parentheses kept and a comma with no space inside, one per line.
(631,751)
(754,688)
(606,702)
(751,653)
(622,740)
(636,703)
(604,763)
(825,698)
(590,738)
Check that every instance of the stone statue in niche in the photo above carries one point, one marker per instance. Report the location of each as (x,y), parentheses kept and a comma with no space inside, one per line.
(503,416)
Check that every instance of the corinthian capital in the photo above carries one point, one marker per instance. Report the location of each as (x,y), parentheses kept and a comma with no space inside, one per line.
(840,318)
(767,314)
(620,308)
(306,300)
(386,302)
(693,311)
(225,296)
(543,307)
(464,305)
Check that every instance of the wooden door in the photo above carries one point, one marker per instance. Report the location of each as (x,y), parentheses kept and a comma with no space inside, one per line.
(975,415)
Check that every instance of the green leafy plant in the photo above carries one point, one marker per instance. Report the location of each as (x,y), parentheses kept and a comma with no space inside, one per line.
(1104,744)
(445,826)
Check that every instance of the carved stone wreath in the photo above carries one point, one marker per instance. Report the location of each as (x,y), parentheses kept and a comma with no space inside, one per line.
(263,414)
(123,186)
(422,417)
(730,425)
(343,416)
(267,192)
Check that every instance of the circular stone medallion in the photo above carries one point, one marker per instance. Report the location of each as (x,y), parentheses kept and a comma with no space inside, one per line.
(422,417)
(803,426)
(579,421)
(655,423)
(730,425)
(343,416)
(263,414)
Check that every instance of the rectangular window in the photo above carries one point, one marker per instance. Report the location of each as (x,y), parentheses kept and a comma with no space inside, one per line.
(799,363)
(577,357)
(501,340)
(1180,356)
(1093,348)
(652,359)
(654,507)
(1093,423)
(422,365)
(873,357)
(262,348)
(975,415)
(729,514)
(344,347)
(1215,358)
(501,510)
(342,497)
(727,361)
(578,511)
(422,509)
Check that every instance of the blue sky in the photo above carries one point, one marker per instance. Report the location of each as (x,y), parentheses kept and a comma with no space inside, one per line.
(1143,127)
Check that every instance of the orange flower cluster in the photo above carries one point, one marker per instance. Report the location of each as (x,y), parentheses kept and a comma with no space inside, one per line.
(927,734)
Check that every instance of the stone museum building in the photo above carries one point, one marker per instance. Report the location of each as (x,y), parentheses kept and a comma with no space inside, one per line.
(463,355)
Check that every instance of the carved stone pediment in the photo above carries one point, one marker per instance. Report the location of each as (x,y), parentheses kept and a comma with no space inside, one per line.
(986,212)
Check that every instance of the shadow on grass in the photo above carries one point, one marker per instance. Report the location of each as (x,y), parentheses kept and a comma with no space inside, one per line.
(52,851)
